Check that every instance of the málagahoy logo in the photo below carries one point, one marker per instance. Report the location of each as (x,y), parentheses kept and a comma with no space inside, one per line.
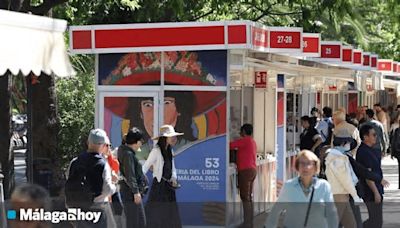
(73,214)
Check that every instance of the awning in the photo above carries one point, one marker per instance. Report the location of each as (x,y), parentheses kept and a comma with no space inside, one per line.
(30,43)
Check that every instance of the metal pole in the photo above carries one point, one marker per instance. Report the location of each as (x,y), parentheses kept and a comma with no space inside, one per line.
(29,154)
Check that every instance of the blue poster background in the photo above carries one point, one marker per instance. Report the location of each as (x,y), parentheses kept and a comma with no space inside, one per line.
(280,153)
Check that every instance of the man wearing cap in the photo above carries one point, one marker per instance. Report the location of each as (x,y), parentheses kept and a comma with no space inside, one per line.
(246,165)
(98,174)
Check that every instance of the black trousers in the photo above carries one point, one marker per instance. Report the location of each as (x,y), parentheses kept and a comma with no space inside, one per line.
(134,213)
(375,214)
(398,166)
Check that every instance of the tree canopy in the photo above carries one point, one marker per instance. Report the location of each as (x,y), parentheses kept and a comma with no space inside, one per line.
(372,25)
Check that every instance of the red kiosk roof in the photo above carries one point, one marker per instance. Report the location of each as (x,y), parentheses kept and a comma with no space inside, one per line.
(184,36)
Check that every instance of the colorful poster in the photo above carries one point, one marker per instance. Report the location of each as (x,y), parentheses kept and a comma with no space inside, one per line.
(200,68)
(200,154)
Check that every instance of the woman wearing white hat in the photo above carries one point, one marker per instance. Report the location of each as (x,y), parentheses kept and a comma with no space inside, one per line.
(162,210)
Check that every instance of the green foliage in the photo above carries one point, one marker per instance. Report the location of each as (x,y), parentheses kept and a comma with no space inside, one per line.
(76,108)
(373,25)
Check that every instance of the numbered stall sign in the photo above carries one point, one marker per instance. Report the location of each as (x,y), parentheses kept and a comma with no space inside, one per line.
(331,50)
(374,61)
(347,54)
(260,79)
(259,37)
(285,40)
(385,65)
(366,59)
(311,44)
(357,57)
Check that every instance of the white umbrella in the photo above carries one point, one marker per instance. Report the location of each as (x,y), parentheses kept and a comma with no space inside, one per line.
(30,43)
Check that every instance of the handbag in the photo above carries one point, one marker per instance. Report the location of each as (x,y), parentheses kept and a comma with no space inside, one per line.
(309,207)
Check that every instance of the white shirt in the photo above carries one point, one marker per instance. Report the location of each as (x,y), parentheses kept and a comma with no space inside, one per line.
(340,174)
(156,160)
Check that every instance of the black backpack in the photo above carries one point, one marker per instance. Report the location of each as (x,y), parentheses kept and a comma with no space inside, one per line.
(78,191)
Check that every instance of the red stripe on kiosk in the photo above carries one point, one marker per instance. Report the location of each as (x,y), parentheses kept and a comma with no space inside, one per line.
(331,50)
(385,65)
(237,34)
(357,57)
(150,37)
(285,40)
(259,37)
(366,59)
(395,67)
(347,54)
(311,44)
(82,39)
(374,61)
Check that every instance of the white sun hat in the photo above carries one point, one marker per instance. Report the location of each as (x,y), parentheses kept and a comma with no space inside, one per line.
(167,131)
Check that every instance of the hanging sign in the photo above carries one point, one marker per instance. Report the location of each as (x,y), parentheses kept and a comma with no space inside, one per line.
(395,69)
(366,59)
(347,54)
(283,39)
(259,37)
(260,79)
(374,61)
(357,57)
(331,50)
(385,65)
(311,44)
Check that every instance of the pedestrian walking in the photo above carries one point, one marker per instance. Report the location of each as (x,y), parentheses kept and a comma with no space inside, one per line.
(382,142)
(247,170)
(372,194)
(133,181)
(90,183)
(344,129)
(381,116)
(307,200)
(309,138)
(342,179)
(322,127)
(116,201)
(162,210)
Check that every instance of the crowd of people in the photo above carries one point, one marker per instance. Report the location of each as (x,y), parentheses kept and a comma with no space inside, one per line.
(340,163)
(114,182)
(339,166)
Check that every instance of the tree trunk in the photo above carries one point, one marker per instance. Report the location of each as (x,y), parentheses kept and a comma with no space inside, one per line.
(6,155)
(44,134)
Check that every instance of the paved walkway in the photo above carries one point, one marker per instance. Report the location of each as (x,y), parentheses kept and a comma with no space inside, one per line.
(391,208)
(391,198)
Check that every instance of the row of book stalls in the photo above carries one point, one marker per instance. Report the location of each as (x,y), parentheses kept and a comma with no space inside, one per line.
(209,78)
